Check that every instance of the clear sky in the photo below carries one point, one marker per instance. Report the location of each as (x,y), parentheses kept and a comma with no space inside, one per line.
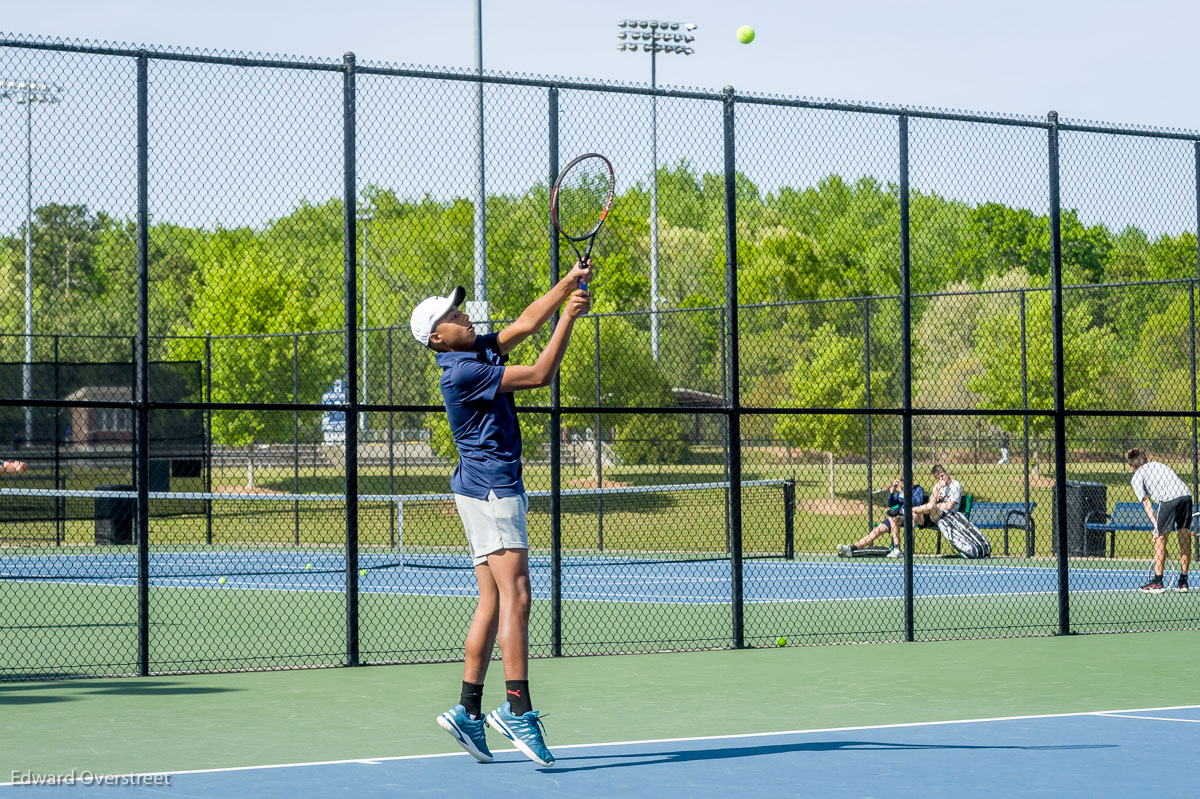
(1114,61)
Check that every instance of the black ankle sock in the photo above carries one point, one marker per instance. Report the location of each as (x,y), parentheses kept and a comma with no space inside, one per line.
(517,694)
(472,699)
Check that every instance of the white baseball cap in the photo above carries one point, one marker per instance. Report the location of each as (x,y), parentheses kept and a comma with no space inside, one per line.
(430,310)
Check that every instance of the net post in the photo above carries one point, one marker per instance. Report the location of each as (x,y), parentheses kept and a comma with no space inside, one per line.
(789,519)
(555,415)
(1060,421)
(734,403)
(141,359)
(350,249)
(906,382)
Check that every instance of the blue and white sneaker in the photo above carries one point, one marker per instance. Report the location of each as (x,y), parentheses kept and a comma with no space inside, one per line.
(524,731)
(467,731)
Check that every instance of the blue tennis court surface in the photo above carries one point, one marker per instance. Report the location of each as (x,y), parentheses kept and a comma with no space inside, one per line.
(1110,753)
(584,579)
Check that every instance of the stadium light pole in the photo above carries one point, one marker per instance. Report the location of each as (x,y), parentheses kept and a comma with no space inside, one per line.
(654,37)
(28,93)
(365,217)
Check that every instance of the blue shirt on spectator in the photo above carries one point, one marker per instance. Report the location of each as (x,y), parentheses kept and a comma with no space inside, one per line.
(483,421)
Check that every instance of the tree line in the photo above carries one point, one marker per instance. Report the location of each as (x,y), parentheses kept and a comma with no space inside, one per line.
(824,249)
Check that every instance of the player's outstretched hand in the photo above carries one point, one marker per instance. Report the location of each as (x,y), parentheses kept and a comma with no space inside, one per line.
(581,272)
(578,305)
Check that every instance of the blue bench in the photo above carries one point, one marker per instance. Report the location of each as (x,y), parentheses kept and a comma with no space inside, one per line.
(996,516)
(1125,516)
(1004,516)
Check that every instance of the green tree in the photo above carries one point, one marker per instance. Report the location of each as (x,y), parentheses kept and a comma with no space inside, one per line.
(827,374)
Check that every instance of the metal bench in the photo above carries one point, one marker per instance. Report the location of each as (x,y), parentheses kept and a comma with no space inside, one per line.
(1125,516)
(1004,516)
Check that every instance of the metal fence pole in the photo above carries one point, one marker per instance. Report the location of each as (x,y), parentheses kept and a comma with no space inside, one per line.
(1029,543)
(208,456)
(867,379)
(599,444)
(1060,421)
(906,382)
(391,442)
(350,293)
(1192,340)
(59,502)
(142,359)
(296,433)
(734,406)
(555,416)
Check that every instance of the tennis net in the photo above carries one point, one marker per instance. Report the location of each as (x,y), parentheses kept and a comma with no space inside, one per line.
(204,534)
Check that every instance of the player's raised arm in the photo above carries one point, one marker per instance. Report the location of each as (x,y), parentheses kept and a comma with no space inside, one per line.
(541,309)
(520,378)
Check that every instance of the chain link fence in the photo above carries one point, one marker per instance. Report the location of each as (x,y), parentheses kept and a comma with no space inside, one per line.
(234,455)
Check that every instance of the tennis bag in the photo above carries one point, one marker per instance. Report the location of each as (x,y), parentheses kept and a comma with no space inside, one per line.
(968,539)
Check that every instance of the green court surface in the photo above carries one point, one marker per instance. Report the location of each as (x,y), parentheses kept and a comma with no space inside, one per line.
(253,718)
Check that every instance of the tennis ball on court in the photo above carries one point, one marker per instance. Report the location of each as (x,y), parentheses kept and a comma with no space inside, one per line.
(221,581)
(362,572)
(745,34)
(308,567)
(781,641)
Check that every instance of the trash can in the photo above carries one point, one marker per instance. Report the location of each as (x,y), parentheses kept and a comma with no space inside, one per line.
(1085,502)
(114,516)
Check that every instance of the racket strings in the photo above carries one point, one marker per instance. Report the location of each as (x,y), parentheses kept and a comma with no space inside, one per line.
(582,196)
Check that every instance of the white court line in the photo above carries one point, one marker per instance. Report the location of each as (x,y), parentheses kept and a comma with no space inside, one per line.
(1116,715)
(381,760)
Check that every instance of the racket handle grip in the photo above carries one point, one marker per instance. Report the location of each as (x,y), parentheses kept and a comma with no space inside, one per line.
(583,285)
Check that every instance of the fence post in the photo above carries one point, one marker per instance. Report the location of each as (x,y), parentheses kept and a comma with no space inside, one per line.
(59,502)
(296,433)
(599,444)
(350,293)
(391,442)
(906,382)
(1192,341)
(734,407)
(1060,421)
(1029,543)
(867,379)
(142,358)
(555,418)
(208,456)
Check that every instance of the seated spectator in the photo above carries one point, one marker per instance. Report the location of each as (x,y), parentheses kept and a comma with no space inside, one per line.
(947,493)
(890,523)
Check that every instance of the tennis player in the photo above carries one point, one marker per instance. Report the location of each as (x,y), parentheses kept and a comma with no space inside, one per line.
(13,466)
(478,389)
(1156,482)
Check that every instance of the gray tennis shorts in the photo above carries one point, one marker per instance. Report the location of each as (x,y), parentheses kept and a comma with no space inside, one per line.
(493,524)
(1174,514)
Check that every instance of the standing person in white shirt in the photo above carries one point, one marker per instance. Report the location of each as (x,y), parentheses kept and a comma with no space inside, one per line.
(1156,482)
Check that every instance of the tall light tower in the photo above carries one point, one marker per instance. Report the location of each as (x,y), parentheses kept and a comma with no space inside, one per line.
(654,37)
(28,92)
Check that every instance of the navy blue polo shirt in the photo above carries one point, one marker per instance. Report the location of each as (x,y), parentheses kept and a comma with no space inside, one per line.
(483,420)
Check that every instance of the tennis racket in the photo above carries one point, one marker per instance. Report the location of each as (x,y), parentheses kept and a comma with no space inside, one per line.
(580,200)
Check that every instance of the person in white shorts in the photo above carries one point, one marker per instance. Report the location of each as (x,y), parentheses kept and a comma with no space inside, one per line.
(478,387)
(1156,482)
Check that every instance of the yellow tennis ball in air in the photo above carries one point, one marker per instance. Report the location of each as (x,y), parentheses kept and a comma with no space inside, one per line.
(745,34)
(221,581)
